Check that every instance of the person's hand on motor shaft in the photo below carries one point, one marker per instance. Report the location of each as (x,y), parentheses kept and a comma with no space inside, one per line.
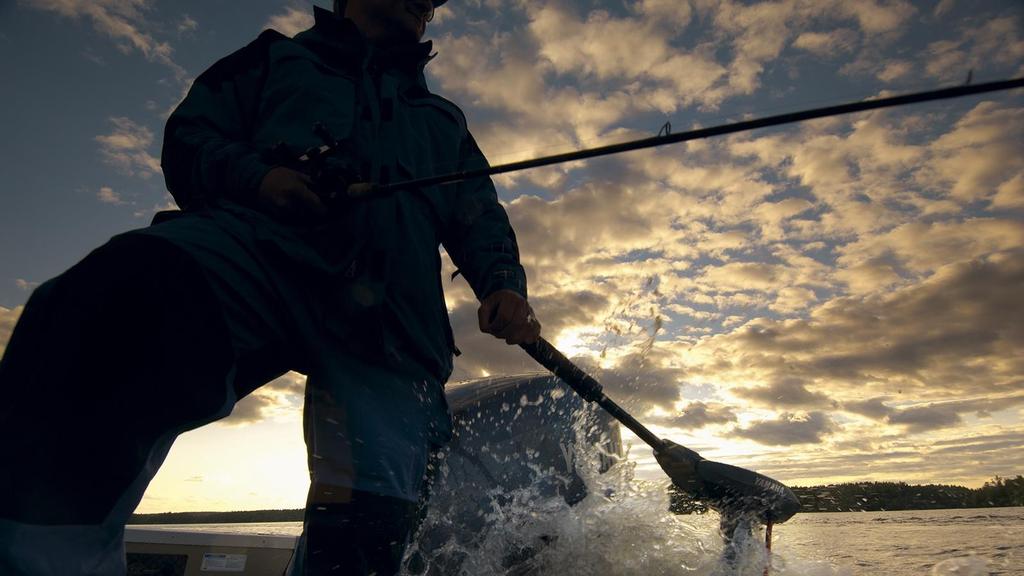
(507,315)
(287,195)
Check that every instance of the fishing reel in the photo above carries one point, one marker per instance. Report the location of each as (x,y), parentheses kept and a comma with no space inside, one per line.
(332,167)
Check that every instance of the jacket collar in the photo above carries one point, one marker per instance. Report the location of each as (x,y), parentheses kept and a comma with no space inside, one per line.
(339,37)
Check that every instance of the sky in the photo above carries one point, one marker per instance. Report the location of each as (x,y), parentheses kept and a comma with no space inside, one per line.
(834,301)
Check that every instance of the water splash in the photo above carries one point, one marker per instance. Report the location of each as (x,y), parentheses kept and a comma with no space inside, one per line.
(618,525)
(970,566)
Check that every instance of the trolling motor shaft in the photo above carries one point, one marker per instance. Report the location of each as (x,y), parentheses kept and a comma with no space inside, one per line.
(730,490)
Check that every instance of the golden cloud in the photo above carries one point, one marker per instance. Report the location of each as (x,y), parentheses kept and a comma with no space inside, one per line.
(8,318)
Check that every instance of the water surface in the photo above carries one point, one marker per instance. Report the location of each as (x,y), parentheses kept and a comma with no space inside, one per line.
(966,542)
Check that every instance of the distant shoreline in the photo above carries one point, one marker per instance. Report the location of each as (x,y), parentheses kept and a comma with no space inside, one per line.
(258,517)
(233,517)
(849,497)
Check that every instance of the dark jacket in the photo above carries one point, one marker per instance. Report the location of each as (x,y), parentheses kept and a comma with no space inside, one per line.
(383,252)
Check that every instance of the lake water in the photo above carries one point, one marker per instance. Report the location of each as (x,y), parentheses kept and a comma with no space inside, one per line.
(972,542)
(623,527)
(942,542)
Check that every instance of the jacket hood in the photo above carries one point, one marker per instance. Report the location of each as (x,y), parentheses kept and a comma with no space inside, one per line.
(340,35)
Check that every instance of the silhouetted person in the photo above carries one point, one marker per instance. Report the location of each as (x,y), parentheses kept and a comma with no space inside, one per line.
(164,328)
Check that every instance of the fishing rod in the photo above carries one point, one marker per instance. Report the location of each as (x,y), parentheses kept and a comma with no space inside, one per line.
(363,189)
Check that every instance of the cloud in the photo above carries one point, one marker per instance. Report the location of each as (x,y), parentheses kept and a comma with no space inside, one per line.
(979,155)
(26,285)
(280,398)
(784,393)
(107,195)
(832,43)
(656,52)
(872,172)
(740,276)
(590,69)
(792,300)
(167,203)
(124,21)
(759,32)
(925,418)
(996,41)
(936,415)
(966,456)
(572,113)
(982,41)
(878,17)
(187,25)
(126,148)
(8,318)
(970,444)
(293,20)
(955,333)
(877,263)
(943,7)
(790,429)
(669,12)
(603,47)
(644,379)
(872,408)
(1010,194)
(894,70)
(593,68)
(699,415)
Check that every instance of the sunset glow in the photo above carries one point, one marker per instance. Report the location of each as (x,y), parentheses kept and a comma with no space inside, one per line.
(830,301)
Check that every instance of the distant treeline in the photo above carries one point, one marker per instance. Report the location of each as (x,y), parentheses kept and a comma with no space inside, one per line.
(851,497)
(875,496)
(218,517)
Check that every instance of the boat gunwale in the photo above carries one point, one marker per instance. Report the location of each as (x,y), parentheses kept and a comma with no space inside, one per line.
(194,535)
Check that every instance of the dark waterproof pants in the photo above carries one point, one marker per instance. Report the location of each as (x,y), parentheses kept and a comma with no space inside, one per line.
(366,534)
(157,332)
(108,363)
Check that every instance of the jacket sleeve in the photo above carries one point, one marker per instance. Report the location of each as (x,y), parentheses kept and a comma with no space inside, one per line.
(207,149)
(481,241)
